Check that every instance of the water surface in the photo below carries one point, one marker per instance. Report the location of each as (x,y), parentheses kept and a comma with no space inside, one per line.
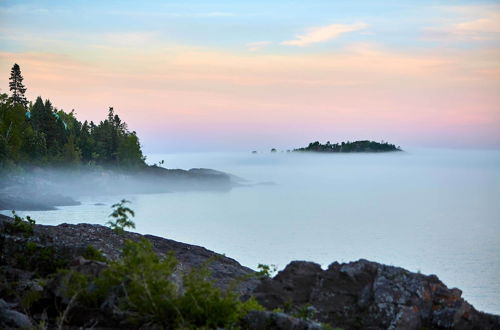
(433,211)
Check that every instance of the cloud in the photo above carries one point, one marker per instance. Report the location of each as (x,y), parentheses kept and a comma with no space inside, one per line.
(258,45)
(324,33)
(471,23)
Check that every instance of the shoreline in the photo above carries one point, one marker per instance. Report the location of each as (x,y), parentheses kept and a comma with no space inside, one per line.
(45,189)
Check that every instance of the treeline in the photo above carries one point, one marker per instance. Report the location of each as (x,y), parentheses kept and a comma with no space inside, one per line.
(40,134)
(356,146)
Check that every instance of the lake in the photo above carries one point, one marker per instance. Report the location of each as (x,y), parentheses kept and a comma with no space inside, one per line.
(429,210)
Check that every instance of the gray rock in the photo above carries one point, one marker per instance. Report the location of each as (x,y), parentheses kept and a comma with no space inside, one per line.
(366,294)
(257,320)
(12,319)
(70,241)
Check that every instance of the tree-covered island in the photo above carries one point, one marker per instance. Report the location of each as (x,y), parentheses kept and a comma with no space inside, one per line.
(356,146)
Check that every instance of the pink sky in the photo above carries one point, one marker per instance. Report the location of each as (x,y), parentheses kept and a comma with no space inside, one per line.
(185,97)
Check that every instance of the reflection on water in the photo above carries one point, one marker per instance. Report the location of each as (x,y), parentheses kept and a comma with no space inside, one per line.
(434,211)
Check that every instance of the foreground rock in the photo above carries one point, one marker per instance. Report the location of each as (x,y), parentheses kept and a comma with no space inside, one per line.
(68,242)
(368,295)
(257,320)
(357,295)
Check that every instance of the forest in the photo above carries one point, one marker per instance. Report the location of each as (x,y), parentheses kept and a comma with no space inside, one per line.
(37,133)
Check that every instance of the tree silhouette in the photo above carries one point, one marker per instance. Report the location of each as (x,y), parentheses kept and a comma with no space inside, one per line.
(38,133)
(16,86)
(356,146)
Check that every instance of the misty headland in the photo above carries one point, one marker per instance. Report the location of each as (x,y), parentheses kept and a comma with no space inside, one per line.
(49,158)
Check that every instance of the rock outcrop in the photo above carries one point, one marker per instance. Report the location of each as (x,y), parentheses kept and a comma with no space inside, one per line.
(356,295)
(69,241)
(258,320)
(369,295)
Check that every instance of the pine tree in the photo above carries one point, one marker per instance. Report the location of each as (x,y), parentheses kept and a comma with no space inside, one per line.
(45,120)
(16,86)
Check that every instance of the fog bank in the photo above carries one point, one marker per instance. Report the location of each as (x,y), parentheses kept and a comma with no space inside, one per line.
(434,211)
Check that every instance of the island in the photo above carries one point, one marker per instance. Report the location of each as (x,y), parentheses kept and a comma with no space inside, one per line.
(356,146)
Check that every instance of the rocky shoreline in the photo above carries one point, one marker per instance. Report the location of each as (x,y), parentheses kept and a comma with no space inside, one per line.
(42,189)
(355,295)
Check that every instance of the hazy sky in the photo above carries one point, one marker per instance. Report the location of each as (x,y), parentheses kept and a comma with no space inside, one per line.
(244,75)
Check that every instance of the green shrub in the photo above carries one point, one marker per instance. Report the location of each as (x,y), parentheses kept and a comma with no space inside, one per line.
(48,261)
(73,283)
(306,312)
(29,298)
(266,270)
(91,253)
(43,260)
(121,214)
(147,294)
(205,305)
(20,226)
(146,291)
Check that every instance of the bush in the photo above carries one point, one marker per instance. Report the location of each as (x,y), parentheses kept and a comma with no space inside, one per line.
(205,305)
(26,254)
(121,214)
(20,225)
(91,253)
(148,296)
(266,270)
(143,280)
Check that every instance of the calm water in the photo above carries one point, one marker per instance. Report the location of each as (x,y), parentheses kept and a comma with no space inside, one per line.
(433,211)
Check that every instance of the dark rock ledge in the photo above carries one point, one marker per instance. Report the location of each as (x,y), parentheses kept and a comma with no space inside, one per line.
(369,295)
(356,295)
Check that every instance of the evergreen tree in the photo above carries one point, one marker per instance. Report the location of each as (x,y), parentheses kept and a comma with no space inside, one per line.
(86,142)
(45,120)
(16,86)
(37,112)
(35,146)
(71,153)
(13,129)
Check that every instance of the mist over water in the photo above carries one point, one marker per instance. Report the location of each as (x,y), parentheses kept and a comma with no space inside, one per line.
(434,211)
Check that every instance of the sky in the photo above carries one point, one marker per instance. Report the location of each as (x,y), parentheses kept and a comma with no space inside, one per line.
(252,75)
